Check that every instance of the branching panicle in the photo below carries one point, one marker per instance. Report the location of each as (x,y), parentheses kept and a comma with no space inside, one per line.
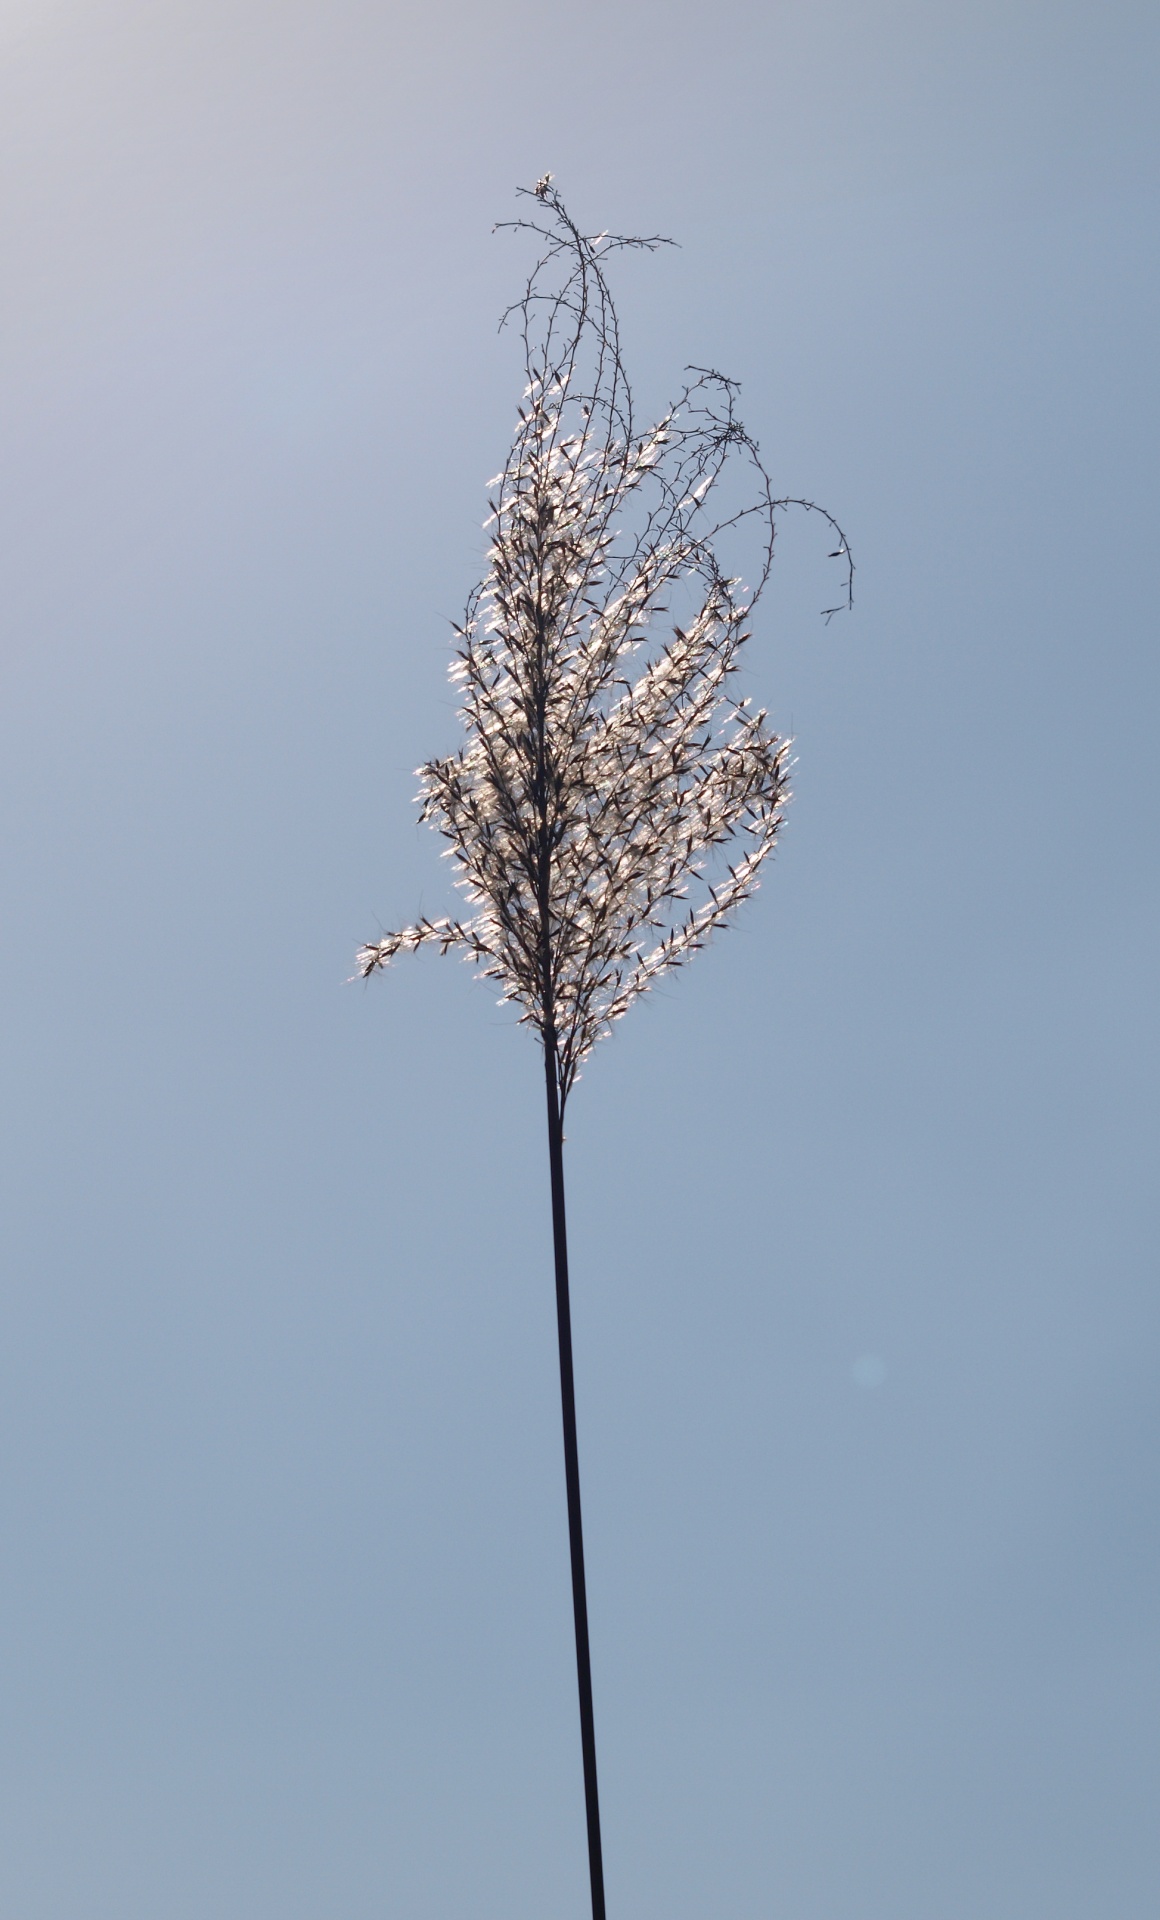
(605,814)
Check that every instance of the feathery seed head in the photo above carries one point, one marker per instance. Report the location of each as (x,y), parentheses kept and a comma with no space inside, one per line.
(591,809)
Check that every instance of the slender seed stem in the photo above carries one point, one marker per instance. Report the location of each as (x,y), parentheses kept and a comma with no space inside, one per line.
(572,1477)
(590,800)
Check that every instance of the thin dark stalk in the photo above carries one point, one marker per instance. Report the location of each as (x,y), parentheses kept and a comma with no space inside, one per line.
(572,1477)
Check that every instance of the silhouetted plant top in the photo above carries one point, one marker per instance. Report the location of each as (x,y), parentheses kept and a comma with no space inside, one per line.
(612,802)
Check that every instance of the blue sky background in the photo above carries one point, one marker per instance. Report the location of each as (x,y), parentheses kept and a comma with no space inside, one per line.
(284,1611)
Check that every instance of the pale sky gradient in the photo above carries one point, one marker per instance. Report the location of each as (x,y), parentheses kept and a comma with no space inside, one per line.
(863,1206)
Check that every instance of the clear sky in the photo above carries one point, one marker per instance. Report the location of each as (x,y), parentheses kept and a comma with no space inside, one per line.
(863,1205)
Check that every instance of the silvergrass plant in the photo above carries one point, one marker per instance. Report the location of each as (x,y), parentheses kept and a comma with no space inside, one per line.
(612,803)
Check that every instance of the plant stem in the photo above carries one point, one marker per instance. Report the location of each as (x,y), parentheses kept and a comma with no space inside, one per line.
(572,1476)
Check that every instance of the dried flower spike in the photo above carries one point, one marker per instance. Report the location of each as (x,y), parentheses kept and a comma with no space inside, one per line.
(612,803)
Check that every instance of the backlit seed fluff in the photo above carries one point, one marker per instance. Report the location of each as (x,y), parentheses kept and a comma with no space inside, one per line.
(611,803)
